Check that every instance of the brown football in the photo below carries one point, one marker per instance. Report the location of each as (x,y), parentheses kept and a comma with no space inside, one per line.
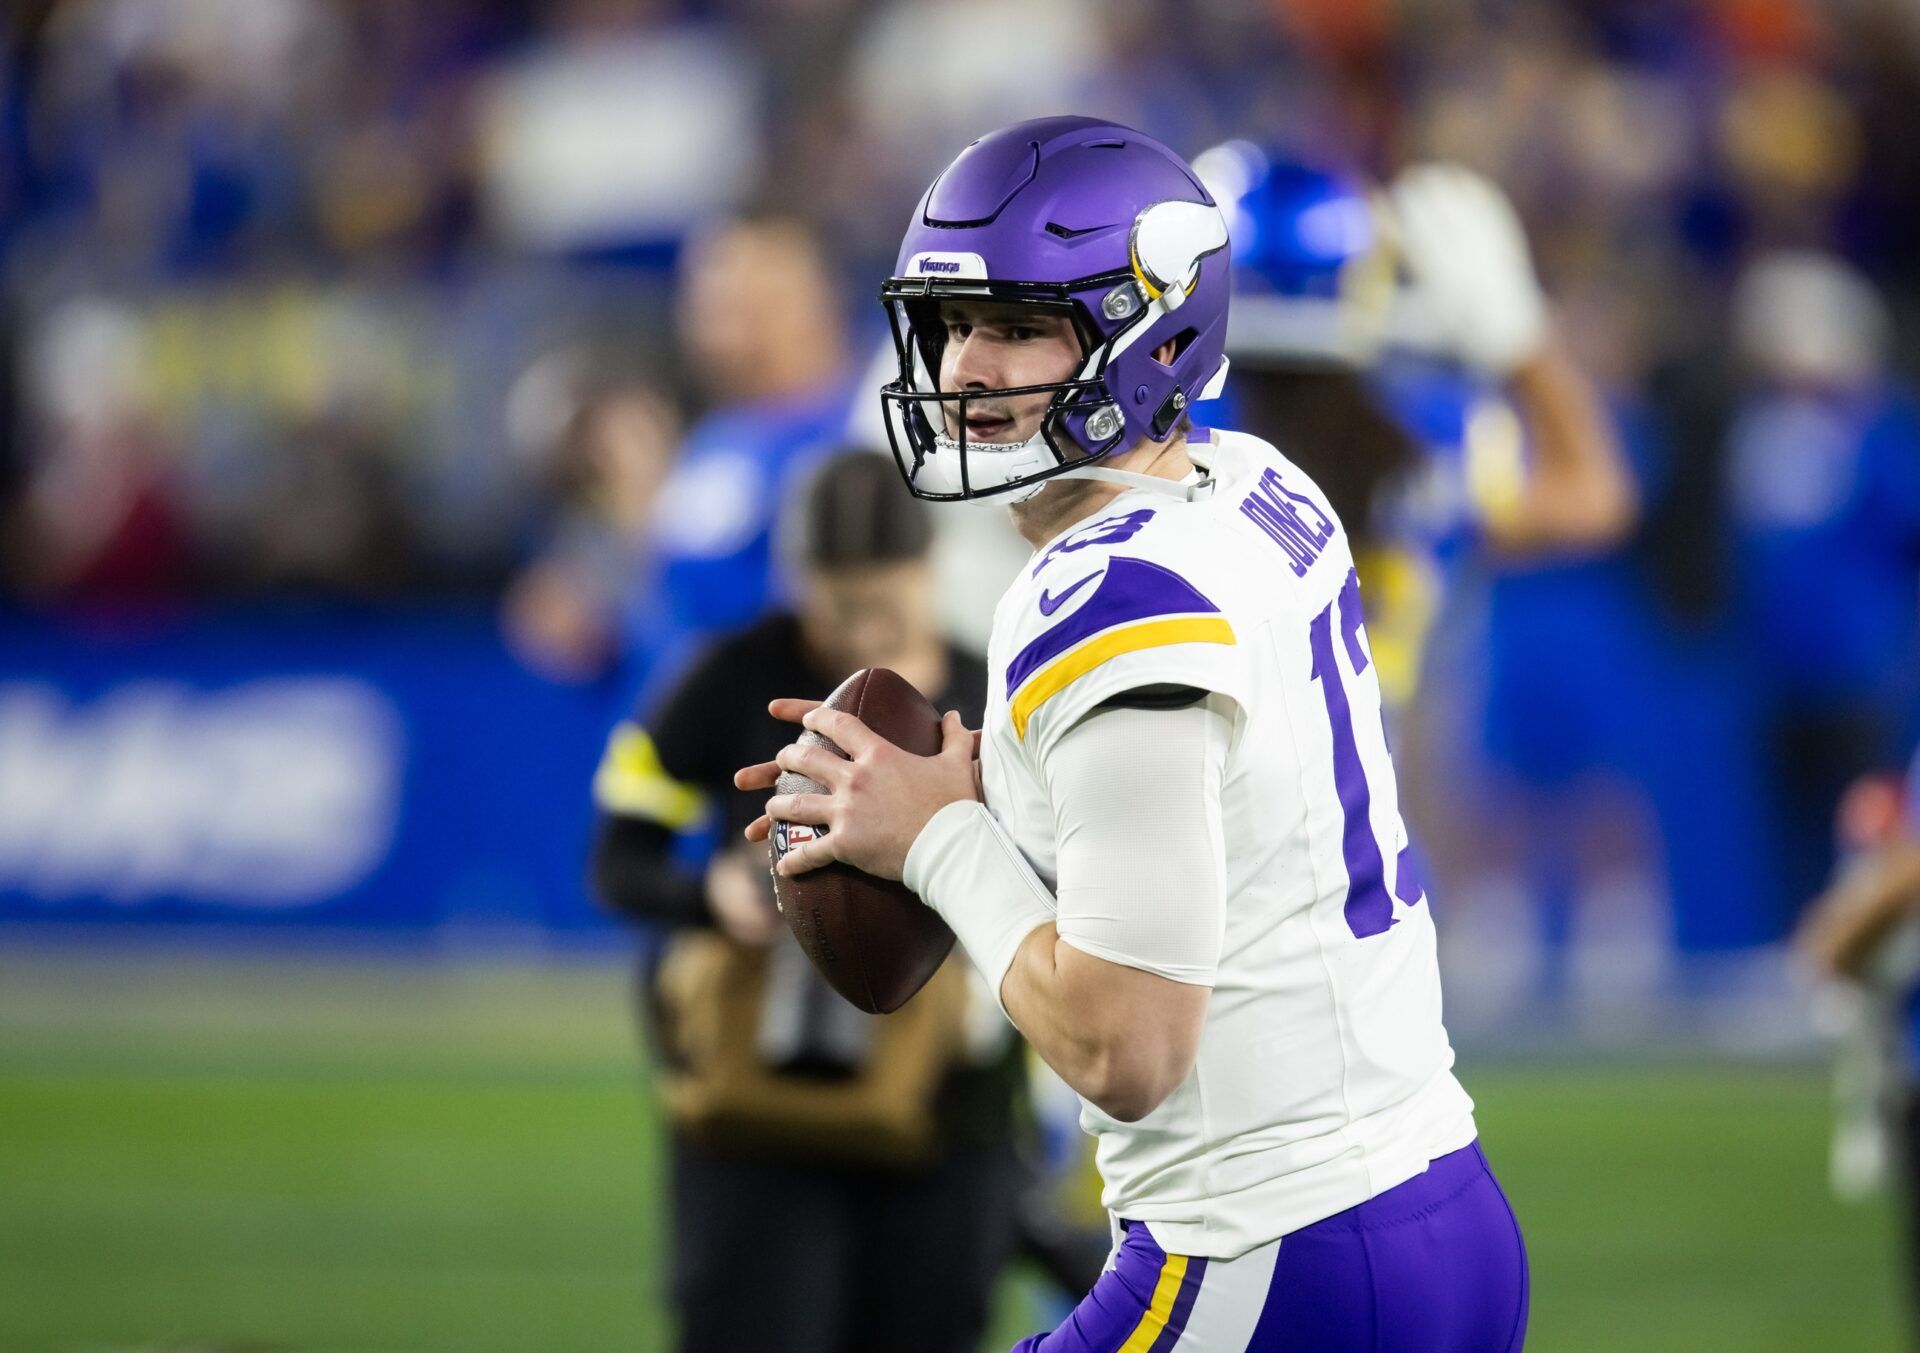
(873,940)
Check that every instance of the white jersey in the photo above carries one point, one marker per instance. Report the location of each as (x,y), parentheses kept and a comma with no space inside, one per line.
(1324,1075)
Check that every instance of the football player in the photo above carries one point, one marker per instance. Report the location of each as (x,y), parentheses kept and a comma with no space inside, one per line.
(1182,866)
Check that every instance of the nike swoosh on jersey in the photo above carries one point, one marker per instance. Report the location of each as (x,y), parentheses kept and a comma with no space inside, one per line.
(1050,604)
(1138,605)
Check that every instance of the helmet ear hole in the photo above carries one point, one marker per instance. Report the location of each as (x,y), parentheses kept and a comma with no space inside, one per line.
(1181,342)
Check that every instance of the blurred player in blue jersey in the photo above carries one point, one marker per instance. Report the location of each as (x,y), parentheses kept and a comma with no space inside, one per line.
(1822,488)
(1395,343)
(1397,347)
(759,319)
(1178,860)
(760,316)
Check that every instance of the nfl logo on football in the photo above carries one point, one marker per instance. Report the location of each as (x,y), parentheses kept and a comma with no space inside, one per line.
(791,834)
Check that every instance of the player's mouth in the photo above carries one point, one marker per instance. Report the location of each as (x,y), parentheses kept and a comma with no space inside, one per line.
(985,427)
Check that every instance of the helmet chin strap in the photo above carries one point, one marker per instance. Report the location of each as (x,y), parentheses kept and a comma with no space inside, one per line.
(1186,490)
(1196,485)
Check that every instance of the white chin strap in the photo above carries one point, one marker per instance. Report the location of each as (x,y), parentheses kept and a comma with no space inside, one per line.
(1196,486)
(988,468)
(993,463)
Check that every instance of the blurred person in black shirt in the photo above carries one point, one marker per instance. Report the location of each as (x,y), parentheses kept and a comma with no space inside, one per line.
(840,1180)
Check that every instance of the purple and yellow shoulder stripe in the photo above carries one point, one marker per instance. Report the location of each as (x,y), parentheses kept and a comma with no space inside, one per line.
(1137,605)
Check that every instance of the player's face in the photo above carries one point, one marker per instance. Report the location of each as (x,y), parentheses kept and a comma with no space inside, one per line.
(993,346)
(876,615)
(748,295)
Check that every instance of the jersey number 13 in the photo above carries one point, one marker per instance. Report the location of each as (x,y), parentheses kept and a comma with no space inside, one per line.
(1369,907)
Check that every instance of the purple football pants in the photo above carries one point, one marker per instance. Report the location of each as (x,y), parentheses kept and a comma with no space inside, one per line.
(1436,1265)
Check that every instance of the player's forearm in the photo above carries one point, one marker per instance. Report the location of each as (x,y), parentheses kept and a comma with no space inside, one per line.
(1578,494)
(1108,977)
(1099,1025)
(965,866)
(1121,1037)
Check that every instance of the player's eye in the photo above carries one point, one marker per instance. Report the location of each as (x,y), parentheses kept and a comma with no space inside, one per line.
(1023,333)
(958,329)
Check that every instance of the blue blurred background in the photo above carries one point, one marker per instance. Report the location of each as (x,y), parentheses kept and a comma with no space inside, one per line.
(371,440)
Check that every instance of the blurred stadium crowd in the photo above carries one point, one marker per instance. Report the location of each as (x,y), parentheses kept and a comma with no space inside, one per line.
(398,301)
(373,372)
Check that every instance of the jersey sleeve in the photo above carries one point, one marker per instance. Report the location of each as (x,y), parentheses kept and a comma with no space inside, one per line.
(1142,623)
(1142,857)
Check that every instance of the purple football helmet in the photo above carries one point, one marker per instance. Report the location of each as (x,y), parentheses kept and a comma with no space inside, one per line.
(1082,217)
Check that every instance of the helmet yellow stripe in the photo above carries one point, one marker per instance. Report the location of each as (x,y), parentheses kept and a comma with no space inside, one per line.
(1140,273)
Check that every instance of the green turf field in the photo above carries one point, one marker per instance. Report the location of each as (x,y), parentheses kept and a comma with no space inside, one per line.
(226,1155)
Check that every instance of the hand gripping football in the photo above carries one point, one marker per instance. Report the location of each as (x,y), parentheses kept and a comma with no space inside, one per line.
(872,939)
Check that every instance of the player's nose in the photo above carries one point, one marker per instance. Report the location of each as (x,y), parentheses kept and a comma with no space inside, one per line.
(974,364)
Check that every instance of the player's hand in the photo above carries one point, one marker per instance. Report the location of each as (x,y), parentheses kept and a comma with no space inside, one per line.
(1474,294)
(765,773)
(879,796)
(738,896)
